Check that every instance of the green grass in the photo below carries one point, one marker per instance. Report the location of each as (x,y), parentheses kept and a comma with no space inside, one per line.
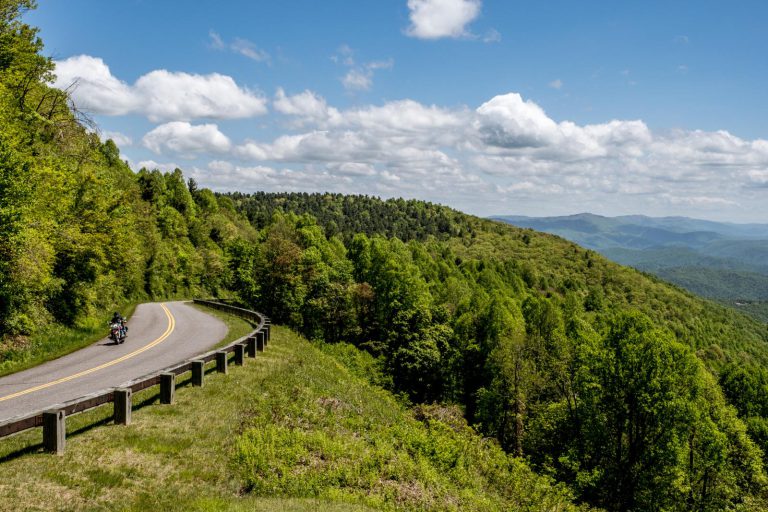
(293,430)
(54,341)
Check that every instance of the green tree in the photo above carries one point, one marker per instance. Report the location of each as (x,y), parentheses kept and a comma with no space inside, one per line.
(503,402)
(14,193)
(651,419)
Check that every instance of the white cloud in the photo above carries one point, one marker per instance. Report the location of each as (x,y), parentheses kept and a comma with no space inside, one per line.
(508,124)
(121,139)
(226,176)
(159,95)
(388,176)
(506,150)
(217,43)
(507,121)
(381,64)
(492,36)
(307,104)
(317,146)
(758,177)
(250,50)
(183,96)
(556,84)
(404,117)
(93,87)
(240,46)
(697,200)
(151,165)
(357,80)
(398,116)
(345,55)
(186,139)
(351,169)
(506,154)
(435,19)
(358,77)
(402,133)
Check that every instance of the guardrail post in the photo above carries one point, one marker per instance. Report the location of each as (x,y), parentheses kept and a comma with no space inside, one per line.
(268,331)
(167,387)
(260,341)
(251,346)
(239,353)
(221,362)
(123,406)
(54,431)
(198,371)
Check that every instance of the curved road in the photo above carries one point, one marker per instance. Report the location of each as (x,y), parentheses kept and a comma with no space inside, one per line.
(159,335)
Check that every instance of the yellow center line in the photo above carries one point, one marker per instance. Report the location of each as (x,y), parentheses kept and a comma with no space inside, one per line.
(168,331)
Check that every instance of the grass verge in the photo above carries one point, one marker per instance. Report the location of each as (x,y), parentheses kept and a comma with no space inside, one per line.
(293,430)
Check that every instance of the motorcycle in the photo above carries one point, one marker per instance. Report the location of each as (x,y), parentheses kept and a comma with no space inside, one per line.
(117,332)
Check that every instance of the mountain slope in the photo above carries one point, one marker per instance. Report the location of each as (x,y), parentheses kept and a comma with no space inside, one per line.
(548,347)
(726,262)
(588,222)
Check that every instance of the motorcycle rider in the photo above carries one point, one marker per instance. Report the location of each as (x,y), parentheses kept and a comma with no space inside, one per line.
(117,318)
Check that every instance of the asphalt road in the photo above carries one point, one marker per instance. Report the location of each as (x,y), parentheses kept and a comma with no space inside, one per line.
(159,336)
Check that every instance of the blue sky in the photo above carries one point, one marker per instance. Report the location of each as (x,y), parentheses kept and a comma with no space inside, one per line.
(493,107)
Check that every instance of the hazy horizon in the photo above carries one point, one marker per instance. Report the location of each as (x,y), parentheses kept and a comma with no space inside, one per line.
(575,214)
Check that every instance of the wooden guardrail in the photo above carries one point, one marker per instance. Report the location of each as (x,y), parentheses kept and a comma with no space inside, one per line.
(53,419)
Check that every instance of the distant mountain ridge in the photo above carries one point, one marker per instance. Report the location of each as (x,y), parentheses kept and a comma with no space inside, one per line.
(719,260)
(634,224)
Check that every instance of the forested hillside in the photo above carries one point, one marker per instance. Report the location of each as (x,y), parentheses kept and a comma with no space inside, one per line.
(587,368)
(721,261)
(79,232)
(598,376)
(348,215)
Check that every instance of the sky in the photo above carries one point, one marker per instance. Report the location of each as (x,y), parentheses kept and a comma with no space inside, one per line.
(491,107)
